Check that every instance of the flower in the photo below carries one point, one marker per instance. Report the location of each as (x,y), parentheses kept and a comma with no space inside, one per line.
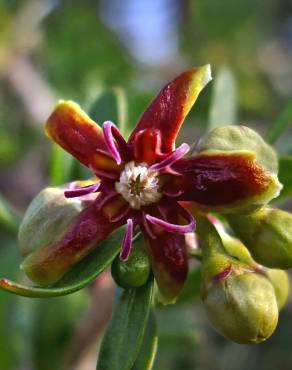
(141,183)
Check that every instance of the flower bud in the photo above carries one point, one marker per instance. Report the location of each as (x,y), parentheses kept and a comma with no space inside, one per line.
(46,219)
(242,307)
(240,302)
(281,284)
(268,236)
(135,271)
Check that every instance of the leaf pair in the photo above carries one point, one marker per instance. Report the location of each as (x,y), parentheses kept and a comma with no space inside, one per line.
(132,321)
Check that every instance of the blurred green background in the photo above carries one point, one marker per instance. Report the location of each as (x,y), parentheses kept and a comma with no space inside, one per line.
(73,49)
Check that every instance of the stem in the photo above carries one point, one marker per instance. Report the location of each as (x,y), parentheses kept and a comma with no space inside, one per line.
(209,237)
(195,253)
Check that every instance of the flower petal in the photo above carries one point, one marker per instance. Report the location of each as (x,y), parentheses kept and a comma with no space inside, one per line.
(147,146)
(48,264)
(225,180)
(71,128)
(169,109)
(169,262)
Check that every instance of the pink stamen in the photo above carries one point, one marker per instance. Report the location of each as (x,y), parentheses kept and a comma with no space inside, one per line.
(127,241)
(174,228)
(172,158)
(79,192)
(109,128)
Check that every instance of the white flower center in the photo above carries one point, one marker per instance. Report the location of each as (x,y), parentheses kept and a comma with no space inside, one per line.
(138,185)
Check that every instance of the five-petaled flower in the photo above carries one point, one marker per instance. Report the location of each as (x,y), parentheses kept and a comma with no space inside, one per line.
(143,183)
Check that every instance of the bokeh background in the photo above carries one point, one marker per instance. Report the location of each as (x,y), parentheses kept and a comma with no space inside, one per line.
(52,49)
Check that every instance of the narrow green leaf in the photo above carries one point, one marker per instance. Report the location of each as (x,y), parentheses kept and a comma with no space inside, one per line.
(148,351)
(9,221)
(124,336)
(79,276)
(224,100)
(110,105)
(61,166)
(9,347)
(281,124)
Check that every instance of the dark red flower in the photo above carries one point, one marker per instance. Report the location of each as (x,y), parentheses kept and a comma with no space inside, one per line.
(141,183)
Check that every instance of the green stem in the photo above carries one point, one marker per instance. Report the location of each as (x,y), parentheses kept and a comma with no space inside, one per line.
(209,237)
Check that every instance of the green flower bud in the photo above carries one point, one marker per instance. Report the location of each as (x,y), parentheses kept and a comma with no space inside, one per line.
(268,236)
(281,284)
(235,248)
(242,307)
(46,219)
(240,302)
(135,271)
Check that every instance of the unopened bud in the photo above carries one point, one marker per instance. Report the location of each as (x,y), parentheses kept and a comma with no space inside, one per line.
(281,284)
(135,271)
(268,236)
(239,301)
(242,307)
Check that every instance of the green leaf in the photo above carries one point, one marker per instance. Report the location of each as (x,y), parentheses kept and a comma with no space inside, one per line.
(61,166)
(79,276)
(224,100)
(9,221)
(148,351)
(110,105)
(285,175)
(281,124)
(9,347)
(124,336)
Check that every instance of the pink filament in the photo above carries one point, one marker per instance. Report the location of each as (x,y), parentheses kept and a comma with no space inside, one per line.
(108,129)
(79,192)
(172,158)
(174,228)
(127,241)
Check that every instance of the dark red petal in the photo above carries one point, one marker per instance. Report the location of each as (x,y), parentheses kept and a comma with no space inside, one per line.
(48,264)
(169,109)
(220,179)
(169,261)
(75,132)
